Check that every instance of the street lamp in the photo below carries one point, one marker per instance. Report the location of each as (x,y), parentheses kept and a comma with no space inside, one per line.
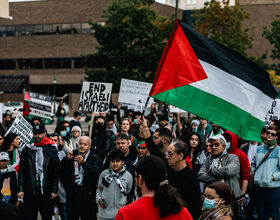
(54,92)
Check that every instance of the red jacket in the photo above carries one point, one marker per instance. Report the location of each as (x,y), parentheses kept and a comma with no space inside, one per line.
(243,159)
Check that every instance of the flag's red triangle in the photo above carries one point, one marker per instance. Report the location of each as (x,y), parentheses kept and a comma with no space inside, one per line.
(179,65)
(26,96)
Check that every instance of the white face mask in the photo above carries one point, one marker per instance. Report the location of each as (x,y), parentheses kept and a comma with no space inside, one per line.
(228,144)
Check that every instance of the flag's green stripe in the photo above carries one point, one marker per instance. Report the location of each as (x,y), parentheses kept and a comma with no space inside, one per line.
(215,110)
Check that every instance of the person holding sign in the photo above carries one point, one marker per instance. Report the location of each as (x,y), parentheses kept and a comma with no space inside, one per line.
(38,175)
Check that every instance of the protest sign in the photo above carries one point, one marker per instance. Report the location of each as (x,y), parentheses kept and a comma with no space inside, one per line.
(22,128)
(273,113)
(37,105)
(95,97)
(135,93)
(174,109)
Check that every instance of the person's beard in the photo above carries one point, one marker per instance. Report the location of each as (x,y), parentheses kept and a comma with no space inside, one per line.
(37,140)
(160,144)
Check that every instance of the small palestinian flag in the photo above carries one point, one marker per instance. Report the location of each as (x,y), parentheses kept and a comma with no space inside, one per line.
(201,76)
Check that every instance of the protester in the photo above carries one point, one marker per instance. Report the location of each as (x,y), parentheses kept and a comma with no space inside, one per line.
(38,175)
(195,123)
(183,179)
(60,113)
(36,120)
(196,154)
(221,166)
(10,145)
(125,126)
(114,184)
(207,148)
(60,201)
(216,129)
(76,135)
(162,121)
(76,121)
(231,146)
(203,129)
(80,181)
(67,142)
(218,202)
(159,200)
(6,122)
(101,139)
(266,165)
(110,126)
(8,180)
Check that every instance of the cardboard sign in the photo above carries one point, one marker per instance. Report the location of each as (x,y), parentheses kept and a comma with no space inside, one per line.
(273,113)
(174,109)
(38,105)
(95,97)
(22,128)
(135,93)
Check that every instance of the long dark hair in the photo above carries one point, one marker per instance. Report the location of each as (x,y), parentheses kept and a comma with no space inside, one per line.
(153,170)
(197,150)
(8,141)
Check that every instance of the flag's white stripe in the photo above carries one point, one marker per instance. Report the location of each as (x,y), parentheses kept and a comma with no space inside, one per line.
(234,90)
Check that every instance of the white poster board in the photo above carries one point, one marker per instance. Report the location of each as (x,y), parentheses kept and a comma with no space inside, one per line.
(1,112)
(95,97)
(273,113)
(22,128)
(174,109)
(135,93)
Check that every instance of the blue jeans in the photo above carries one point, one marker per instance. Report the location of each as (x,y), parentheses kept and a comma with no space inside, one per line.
(268,200)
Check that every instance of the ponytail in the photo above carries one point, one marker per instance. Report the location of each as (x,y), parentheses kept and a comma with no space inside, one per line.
(168,200)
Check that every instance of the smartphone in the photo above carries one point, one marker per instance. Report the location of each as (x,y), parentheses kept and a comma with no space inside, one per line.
(75,153)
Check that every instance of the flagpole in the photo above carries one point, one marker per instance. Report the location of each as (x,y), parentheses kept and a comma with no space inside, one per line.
(147,101)
(176,9)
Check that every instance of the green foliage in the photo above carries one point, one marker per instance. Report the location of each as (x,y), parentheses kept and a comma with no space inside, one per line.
(130,43)
(223,24)
(273,36)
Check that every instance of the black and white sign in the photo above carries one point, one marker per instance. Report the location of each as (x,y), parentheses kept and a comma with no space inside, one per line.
(95,97)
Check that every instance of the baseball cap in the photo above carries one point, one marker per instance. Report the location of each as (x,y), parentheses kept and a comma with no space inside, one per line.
(4,156)
(39,129)
(218,137)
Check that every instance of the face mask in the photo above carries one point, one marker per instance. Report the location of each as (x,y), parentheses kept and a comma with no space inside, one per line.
(209,204)
(228,144)
(171,120)
(135,121)
(67,129)
(63,133)
(98,127)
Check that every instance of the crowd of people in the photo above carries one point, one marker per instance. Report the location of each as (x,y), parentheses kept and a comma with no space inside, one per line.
(158,166)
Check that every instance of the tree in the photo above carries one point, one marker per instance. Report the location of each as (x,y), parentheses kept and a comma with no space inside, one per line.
(273,36)
(130,43)
(223,24)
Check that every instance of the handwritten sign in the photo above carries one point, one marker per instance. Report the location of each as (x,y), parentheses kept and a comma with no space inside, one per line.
(95,97)
(22,128)
(273,113)
(135,92)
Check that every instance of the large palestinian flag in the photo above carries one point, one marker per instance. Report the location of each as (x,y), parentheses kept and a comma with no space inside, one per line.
(205,78)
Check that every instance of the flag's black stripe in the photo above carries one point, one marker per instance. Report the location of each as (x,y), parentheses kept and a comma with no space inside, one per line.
(229,61)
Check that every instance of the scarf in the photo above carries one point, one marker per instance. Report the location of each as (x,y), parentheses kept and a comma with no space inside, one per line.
(79,171)
(14,164)
(217,161)
(39,161)
(45,141)
(215,213)
(116,176)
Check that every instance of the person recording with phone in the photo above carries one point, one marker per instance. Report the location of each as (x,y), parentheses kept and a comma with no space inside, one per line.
(80,181)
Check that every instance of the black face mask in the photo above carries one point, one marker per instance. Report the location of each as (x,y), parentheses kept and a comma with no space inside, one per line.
(99,127)
(59,147)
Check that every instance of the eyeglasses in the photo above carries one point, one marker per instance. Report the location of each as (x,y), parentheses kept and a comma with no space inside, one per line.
(75,131)
(272,134)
